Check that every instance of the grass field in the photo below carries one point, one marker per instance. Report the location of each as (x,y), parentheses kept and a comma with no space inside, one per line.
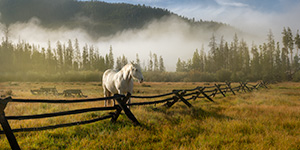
(263,119)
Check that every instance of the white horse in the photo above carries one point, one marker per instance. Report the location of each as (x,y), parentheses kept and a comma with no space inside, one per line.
(120,82)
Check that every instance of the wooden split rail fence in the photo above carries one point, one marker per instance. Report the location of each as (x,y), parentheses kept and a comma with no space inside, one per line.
(173,97)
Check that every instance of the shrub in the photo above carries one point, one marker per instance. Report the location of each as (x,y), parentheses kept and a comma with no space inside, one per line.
(223,75)
(296,77)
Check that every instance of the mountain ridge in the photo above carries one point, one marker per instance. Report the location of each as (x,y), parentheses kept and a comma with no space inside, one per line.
(96,17)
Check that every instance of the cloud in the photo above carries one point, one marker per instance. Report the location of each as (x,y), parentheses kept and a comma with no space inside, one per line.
(170,37)
(32,32)
(254,17)
(231,3)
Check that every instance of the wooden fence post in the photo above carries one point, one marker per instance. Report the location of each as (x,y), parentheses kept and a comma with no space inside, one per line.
(254,86)
(242,86)
(203,93)
(229,86)
(5,125)
(119,109)
(197,95)
(180,96)
(128,113)
(245,85)
(170,104)
(116,114)
(264,84)
(218,87)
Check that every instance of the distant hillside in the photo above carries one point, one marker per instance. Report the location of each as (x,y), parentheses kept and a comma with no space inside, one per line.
(98,18)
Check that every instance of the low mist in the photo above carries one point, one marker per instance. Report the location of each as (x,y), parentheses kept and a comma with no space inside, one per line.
(169,37)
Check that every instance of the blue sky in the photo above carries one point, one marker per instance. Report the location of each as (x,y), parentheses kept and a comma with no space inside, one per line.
(266,14)
(259,5)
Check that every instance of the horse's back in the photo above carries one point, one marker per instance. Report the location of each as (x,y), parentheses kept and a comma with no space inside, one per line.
(108,80)
(107,73)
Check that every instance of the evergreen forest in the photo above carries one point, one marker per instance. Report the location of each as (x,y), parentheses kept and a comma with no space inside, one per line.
(238,61)
(234,60)
(223,61)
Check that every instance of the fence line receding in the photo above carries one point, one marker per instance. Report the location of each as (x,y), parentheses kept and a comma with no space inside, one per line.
(167,99)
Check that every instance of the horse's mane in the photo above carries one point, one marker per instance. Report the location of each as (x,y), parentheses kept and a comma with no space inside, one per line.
(131,64)
(126,69)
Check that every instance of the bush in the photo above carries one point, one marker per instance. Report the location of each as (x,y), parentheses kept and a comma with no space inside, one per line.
(85,76)
(223,75)
(296,77)
(197,76)
(238,76)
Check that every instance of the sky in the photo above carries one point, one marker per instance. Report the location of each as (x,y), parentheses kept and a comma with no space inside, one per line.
(243,14)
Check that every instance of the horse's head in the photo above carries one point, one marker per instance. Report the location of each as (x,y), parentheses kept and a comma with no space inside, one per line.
(136,72)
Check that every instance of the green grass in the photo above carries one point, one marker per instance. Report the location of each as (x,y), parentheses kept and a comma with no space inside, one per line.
(263,119)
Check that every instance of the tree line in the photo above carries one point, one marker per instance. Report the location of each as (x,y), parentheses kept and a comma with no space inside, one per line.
(237,61)
(64,62)
(224,61)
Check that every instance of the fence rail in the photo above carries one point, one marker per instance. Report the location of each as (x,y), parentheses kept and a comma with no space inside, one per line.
(169,99)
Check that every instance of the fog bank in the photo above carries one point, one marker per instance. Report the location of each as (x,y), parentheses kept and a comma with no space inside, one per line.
(170,37)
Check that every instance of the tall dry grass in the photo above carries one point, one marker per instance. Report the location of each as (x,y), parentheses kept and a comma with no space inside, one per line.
(263,119)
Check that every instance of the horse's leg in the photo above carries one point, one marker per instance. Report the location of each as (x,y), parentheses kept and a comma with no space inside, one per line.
(120,92)
(109,101)
(114,102)
(106,94)
(129,100)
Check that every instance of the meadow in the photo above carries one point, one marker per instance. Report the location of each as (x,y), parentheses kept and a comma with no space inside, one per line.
(262,119)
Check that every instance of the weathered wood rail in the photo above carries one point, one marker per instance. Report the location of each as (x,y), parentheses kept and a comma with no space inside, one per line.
(45,91)
(168,100)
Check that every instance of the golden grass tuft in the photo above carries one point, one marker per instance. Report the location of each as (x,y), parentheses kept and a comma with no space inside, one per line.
(262,119)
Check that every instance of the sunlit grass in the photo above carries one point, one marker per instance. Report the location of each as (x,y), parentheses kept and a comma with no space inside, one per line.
(262,119)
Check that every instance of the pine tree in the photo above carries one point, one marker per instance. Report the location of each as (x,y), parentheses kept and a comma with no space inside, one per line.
(221,54)
(60,56)
(138,59)
(119,63)
(179,66)
(226,56)
(196,61)
(202,58)
(49,59)
(150,66)
(85,58)
(92,59)
(255,63)
(156,65)
(77,56)
(285,52)
(110,58)
(245,57)
(278,72)
(124,60)
(107,63)
(213,53)
(234,58)
(297,42)
(69,56)
(271,49)
(296,58)
(290,42)
(161,64)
